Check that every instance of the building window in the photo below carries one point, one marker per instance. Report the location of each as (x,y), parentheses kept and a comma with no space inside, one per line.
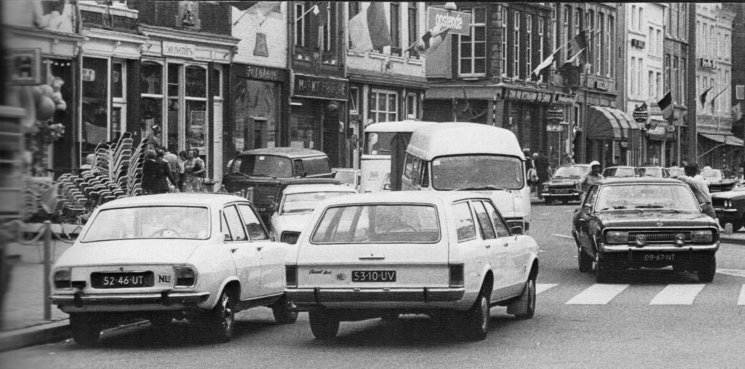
(611,44)
(411,106)
(119,99)
(383,106)
(641,16)
(151,87)
(299,25)
(565,36)
(650,93)
(633,18)
(413,27)
(328,38)
(658,86)
(683,81)
(711,94)
(472,48)
(528,46)
(667,72)
(675,82)
(541,40)
(354,8)
(354,100)
(600,46)
(516,44)
(503,61)
(555,25)
(95,107)
(591,42)
(395,29)
(632,74)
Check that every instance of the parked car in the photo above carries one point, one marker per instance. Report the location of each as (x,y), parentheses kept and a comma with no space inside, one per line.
(198,256)
(655,172)
(716,181)
(448,254)
(730,207)
(644,222)
(348,176)
(296,205)
(565,185)
(619,171)
(264,170)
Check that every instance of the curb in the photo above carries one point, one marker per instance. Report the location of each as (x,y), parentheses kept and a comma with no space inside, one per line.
(46,333)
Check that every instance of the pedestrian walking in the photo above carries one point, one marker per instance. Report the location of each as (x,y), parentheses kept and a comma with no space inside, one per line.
(593,177)
(155,173)
(699,187)
(194,171)
(542,171)
(182,157)
(173,164)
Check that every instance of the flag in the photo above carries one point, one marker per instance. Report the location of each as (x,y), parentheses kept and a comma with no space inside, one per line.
(737,112)
(369,29)
(717,95)
(666,105)
(576,56)
(430,40)
(260,10)
(544,64)
(577,46)
(703,96)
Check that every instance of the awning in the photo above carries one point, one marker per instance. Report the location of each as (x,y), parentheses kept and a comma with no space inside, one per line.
(605,123)
(725,139)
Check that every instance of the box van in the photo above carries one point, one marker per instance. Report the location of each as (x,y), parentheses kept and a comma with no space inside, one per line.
(470,156)
(384,142)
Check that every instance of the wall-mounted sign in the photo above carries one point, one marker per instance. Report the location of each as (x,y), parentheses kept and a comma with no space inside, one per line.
(178,49)
(88,75)
(24,66)
(555,114)
(319,87)
(263,73)
(458,23)
(554,128)
(705,63)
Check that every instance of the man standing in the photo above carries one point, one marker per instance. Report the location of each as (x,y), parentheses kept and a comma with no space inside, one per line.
(541,167)
(699,187)
(593,177)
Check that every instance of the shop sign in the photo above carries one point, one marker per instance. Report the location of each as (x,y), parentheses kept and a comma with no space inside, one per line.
(318,87)
(555,114)
(264,73)
(178,49)
(88,75)
(529,96)
(24,66)
(544,97)
(564,99)
(457,23)
(554,128)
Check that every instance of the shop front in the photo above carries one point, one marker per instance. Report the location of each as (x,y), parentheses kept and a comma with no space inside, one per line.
(610,134)
(318,115)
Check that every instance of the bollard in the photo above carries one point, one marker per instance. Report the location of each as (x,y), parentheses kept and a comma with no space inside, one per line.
(47,269)
(728,228)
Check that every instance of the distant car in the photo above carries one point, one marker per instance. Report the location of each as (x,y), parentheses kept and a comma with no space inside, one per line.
(730,207)
(447,254)
(644,222)
(716,181)
(619,171)
(297,204)
(198,256)
(348,176)
(655,172)
(565,185)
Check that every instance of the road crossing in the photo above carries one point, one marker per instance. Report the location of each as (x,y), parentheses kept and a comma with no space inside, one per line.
(604,294)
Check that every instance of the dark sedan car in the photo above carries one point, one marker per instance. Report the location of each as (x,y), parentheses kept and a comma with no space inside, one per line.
(730,207)
(716,180)
(565,184)
(644,222)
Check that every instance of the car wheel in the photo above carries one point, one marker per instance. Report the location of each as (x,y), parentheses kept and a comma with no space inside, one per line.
(528,296)
(584,261)
(323,325)
(86,328)
(389,317)
(602,272)
(221,319)
(284,311)
(707,270)
(548,200)
(477,319)
(160,321)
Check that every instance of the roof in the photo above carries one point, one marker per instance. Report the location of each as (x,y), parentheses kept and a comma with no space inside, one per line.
(181,198)
(640,180)
(424,197)
(402,126)
(454,138)
(301,188)
(290,152)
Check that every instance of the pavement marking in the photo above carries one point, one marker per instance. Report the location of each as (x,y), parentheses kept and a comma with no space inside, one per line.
(562,236)
(741,300)
(597,294)
(732,272)
(542,287)
(678,294)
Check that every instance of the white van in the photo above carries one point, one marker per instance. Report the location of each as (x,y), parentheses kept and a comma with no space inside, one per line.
(379,147)
(470,156)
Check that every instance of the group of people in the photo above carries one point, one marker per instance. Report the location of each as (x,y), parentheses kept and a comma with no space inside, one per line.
(163,171)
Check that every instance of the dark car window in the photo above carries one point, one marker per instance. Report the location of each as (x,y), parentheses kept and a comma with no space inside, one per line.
(592,194)
(319,165)
(263,166)
(499,225)
(233,221)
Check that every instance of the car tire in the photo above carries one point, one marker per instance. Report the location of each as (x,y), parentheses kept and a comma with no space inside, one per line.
(323,325)
(548,200)
(284,311)
(476,319)
(221,319)
(529,296)
(85,328)
(707,270)
(602,272)
(584,261)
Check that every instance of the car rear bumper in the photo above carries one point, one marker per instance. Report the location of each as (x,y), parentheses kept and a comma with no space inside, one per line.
(660,248)
(402,297)
(166,300)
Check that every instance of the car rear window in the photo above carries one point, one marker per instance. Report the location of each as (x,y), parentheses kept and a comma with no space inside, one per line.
(179,222)
(263,166)
(319,165)
(394,223)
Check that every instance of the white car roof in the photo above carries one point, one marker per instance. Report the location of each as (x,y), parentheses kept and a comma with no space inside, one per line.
(182,198)
(401,126)
(303,188)
(423,197)
(454,138)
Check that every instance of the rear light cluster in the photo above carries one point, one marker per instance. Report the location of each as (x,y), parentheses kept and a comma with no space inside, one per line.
(289,237)
(185,276)
(62,278)
(291,275)
(456,275)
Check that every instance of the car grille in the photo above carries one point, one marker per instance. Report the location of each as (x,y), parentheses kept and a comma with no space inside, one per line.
(561,189)
(717,203)
(653,237)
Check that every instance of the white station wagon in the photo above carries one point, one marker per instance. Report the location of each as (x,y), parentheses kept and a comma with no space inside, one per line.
(198,256)
(444,254)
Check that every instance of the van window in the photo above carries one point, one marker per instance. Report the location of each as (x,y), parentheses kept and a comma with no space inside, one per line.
(319,165)
(378,143)
(264,166)
(477,172)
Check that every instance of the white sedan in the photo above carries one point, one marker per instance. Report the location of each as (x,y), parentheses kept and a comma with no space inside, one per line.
(445,254)
(296,206)
(159,257)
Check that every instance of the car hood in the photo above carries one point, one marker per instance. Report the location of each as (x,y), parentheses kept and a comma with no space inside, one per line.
(563,181)
(654,218)
(728,195)
(149,251)
(290,222)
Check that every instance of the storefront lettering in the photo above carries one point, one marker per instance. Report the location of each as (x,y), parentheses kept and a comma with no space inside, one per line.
(263,73)
(455,22)
(178,49)
(317,87)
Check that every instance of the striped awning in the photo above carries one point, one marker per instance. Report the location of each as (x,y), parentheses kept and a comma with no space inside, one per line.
(606,123)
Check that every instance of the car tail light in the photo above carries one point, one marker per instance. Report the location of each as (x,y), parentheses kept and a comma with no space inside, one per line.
(617,237)
(702,236)
(289,237)
(291,275)
(456,275)
(185,276)
(62,278)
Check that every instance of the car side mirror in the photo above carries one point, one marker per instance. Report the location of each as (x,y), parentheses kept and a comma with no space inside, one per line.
(518,229)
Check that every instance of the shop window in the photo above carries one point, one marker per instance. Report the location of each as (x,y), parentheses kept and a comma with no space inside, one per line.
(119,99)
(383,106)
(196,82)
(95,104)
(117,79)
(151,86)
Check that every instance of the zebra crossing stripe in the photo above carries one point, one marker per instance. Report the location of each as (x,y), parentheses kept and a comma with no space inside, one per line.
(597,294)
(542,287)
(741,301)
(678,294)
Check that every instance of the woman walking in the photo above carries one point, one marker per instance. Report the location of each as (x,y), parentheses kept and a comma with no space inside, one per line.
(194,171)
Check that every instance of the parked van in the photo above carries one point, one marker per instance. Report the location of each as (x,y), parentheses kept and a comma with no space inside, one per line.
(470,156)
(384,142)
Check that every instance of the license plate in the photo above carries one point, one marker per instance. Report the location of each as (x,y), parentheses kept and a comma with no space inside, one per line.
(122,280)
(373,276)
(659,257)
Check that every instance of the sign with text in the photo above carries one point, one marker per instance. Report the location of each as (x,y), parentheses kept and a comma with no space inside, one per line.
(24,66)
(178,49)
(319,87)
(459,23)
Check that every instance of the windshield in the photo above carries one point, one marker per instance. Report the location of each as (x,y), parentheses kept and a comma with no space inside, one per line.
(403,223)
(378,143)
(646,196)
(263,166)
(618,172)
(571,171)
(650,172)
(179,222)
(307,201)
(487,172)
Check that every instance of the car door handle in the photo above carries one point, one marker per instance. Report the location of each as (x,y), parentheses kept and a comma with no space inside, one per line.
(233,249)
(487,246)
(506,244)
(372,257)
(259,248)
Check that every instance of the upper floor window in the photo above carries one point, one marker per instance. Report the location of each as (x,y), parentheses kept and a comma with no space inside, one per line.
(528,45)
(516,44)
(299,25)
(472,48)
(395,29)
(541,40)
(503,61)
(412,14)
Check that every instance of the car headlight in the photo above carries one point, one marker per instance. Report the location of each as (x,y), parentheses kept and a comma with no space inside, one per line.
(617,237)
(702,236)
(62,278)
(185,276)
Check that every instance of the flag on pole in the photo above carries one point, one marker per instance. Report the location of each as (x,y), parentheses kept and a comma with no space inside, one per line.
(577,46)
(546,63)
(717,95)
(702,98)
(577,56)
(430,40)
(369,29)
(666,105)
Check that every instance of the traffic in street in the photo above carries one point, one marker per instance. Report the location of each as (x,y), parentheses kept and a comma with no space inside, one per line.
(644,318)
